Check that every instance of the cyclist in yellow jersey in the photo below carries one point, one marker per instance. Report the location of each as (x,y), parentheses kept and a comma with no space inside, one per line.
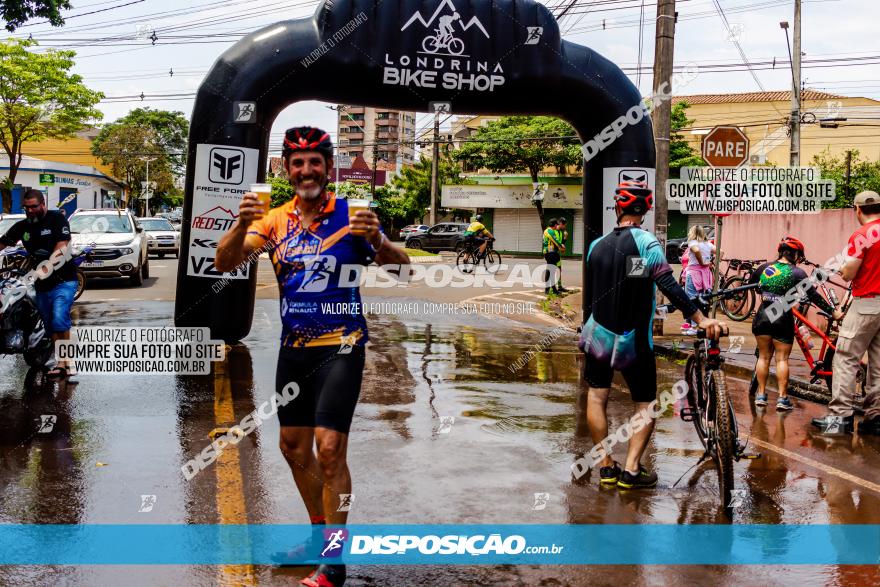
(478,233)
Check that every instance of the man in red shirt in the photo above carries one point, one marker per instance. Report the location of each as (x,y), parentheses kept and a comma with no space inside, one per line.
(860,329)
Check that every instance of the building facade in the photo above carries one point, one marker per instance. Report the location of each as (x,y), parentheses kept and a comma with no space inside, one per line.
(384,136)
(79,186)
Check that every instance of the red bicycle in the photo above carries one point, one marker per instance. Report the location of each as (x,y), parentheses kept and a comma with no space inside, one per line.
(821,364)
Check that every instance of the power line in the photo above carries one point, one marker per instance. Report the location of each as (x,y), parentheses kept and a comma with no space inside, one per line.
(66,17)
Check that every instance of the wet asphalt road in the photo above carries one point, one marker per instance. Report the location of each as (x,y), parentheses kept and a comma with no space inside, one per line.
(119,437)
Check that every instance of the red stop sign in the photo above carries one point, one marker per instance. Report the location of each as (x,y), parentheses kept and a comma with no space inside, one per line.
(726,146)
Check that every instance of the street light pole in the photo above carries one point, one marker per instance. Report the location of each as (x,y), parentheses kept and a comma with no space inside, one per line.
(794,58)
(148,191)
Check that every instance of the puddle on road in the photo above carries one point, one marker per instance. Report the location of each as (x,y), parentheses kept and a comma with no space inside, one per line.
(447,430)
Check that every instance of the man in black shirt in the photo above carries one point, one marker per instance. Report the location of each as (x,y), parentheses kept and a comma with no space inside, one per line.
(46,236)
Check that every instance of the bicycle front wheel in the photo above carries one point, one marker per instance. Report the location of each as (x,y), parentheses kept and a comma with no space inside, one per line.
(724,438)
(492,261)
(695,396)
(736,307)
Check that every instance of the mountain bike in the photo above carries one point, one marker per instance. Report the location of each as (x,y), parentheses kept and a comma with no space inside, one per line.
(438,41)
(469,258)
(709,406)
(740,306)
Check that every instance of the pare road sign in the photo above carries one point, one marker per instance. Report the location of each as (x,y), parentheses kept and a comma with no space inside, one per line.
(726,146)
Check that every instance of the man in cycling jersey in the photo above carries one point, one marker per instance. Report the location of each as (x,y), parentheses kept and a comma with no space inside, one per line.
(477,233)
(622,269)
(321,352)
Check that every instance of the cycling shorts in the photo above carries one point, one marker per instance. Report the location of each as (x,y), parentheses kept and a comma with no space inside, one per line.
(329,385)
(781,329)
(641,377)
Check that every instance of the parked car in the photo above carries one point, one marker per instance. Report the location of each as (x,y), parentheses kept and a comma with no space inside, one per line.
(162,237)
(446,236)
(674,245)
(119,241)
(412,230)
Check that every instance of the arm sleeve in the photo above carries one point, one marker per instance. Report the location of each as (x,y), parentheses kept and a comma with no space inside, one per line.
(13,235)
(676,294)
(588,286)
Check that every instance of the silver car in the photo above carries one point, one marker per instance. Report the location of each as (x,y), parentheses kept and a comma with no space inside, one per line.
(120,245)
(162,238)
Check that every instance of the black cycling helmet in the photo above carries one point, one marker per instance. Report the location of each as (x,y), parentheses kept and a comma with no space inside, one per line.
(478,218)
(634,197)
(307,138)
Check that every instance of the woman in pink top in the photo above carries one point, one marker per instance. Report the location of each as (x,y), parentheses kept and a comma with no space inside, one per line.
(698,270)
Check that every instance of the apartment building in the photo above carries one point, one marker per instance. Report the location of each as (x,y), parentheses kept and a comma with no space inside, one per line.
(388,134)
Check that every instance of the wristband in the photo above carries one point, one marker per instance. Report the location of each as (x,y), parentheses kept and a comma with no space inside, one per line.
(381,244)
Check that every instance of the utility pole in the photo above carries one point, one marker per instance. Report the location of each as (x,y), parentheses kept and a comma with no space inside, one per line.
(435,164)
(795,57)
(664,48)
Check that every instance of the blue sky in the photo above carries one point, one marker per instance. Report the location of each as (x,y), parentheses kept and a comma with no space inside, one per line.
(831,29)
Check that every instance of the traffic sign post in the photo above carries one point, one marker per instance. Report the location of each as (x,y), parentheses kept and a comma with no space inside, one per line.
(724,146)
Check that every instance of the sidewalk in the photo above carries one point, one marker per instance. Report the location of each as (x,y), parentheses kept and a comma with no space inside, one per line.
(741,361)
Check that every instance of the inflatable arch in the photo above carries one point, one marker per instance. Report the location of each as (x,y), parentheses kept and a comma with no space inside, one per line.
(479,56)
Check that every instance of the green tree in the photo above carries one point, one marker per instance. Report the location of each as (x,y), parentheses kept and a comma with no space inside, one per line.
(281,190)
(681,154)
(172,132)
(40,100)
(17,12)
(864,175)
(410,193)
(515,143)
(126,148)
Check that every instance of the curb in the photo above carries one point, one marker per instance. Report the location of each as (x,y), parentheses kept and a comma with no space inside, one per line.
(426,260)
(796,387)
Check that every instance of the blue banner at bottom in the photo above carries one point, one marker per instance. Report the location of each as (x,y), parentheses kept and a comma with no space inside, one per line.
(135,544)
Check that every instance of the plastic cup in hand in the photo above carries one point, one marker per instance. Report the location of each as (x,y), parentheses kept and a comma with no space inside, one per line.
(264,194)
(354,206)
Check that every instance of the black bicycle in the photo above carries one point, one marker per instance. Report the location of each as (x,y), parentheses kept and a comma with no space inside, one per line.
(708,402)
(741,305)
(470,257)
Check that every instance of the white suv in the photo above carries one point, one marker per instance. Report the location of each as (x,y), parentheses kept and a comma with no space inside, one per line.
(119,242)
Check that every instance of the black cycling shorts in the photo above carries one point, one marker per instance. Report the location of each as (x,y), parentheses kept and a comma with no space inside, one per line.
(781,329)
(641,378)
(329,386)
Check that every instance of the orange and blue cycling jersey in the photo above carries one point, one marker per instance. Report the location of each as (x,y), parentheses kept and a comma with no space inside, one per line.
(316,270)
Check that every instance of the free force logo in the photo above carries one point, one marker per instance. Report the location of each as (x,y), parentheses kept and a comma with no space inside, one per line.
(227,166)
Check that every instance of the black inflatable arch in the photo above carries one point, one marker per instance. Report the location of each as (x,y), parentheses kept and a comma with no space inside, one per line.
(508,59)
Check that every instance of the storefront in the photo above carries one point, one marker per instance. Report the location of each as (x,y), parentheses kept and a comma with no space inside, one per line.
(78,186)
(512,217)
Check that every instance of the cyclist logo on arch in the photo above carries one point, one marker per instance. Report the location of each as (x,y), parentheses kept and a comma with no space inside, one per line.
(444,37)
